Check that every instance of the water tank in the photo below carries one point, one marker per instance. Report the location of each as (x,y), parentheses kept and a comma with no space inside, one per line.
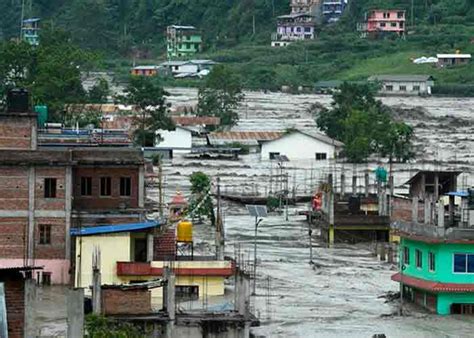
(42,112)
(18,101)
(185,231)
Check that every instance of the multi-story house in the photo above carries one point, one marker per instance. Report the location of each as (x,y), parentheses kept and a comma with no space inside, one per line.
(305,6)
(30,31)
(46,191)
(182,41)
(333,9)
(436,244)
(380,22)
(293,27)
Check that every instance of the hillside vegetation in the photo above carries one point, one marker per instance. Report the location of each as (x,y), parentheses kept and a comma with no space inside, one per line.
(126,29)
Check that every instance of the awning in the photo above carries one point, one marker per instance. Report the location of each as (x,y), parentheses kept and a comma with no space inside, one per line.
(432,286)
(105,229)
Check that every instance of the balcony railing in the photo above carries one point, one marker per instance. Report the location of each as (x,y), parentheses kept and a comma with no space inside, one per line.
(434,232)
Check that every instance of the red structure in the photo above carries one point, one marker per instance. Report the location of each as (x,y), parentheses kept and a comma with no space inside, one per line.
(383,21)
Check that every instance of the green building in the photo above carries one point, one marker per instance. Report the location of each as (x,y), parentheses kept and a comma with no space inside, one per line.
(30,31)
(182,41)
(437,245)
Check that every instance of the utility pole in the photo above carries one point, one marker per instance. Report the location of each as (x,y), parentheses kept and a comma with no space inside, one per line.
(22,18)
(255,257)
(160,188)
(286,193)
(219,224)
(310,232)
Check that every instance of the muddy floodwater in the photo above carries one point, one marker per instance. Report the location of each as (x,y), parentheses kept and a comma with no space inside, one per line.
(341,295)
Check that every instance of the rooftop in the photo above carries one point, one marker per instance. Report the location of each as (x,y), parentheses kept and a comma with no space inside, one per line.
(196,120)
(401,78)
(453,56)
(108,229)
(434,234)
(245,137)
(182,27)
(442,175)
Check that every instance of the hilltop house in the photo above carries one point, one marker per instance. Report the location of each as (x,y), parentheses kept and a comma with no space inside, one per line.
(293,27)
(436,247)
(404,84)
(145,70)
(380,22)
(30,31)
(182,41)
(333,9)
(446,60)
(301,145)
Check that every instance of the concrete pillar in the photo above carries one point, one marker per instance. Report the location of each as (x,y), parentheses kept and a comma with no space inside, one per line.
(150,242)
(390,197)
(141,186)
(30,313)
(75,313)
(242,290)
(354,185)
(414,210)
(34,135)
(451,210)
(31,215)
(96,283)
(331,235)
(441,213)
(436,187)
(68,208)
(366,179)
(343,184)
(169,300)
(390,254)
(427,211)
(382,251)
(423,186)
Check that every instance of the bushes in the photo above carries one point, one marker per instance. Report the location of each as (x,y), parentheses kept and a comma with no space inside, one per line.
(454,90)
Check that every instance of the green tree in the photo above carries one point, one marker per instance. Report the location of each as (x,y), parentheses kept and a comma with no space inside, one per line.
(220,95)
(99,92)
(397,142)
(201,201)
(151,109)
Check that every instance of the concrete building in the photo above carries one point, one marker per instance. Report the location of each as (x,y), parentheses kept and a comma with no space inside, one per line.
(45,191)
(305,6)
(404,84)
(436,245)
(251,139)
(178,140)
(293,27)
(332,10)
(145,70)
(30,31)
(182,41)
(301,145)
(448,60)
(382,22)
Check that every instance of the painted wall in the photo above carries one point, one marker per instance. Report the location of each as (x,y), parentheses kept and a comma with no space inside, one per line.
(424,87)
(444,261)
(59,268)
(297,146)
(180,140)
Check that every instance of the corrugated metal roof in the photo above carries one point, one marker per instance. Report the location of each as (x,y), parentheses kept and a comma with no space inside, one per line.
(322,138)
(106,229)
(401,78)
(246,135)
(196,120)
(453,56)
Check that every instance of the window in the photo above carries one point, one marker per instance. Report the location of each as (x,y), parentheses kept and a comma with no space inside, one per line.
(432,261)
(400,15)
(307,29)
(298,29)
(382,24)
(188,46)
(187,292)
(86,186)
(125,186)
(45,234)
(403,88)
(406,255)
(273,155)
(463,263)
(46,278)
(321,156)
(105,186)
(393,24)
(389,88)
(418,259)
(50,188)
(416,88)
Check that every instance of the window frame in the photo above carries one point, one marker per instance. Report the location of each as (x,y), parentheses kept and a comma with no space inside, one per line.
(123,187)
(402,88)
(273,154)
(389,88)
(466,267)
(406,255)
(109,186)
(50,190)
(44,234)
(418,259)
(431,261)
(321,156)
(86,186)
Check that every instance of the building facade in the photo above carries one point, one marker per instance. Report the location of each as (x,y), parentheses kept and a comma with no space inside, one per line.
(293,27)
(404,84)
(182,41)
(45,191)
(30,31)
(304,6)
(383,22)
(332,10)
(448,60)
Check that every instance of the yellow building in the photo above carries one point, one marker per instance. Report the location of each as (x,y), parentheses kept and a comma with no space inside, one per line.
(126,256)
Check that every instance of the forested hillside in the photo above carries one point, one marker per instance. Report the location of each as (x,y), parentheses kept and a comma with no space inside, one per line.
(126,29)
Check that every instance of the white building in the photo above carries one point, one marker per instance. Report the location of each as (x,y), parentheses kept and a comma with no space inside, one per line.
(301,145)
(404,84)
(176,141)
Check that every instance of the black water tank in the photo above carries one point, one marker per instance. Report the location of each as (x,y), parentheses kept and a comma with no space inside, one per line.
(17,101)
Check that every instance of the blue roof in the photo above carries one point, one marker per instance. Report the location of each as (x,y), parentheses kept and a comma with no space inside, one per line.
(458,193)
(106,229)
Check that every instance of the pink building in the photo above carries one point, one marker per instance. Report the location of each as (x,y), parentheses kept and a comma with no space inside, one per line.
(379,22)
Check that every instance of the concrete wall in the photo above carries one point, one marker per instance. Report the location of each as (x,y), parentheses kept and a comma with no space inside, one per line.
(17,132)
(180,140)
(118,301)
(14,287)
(297,146)
(445,300)
(425,87)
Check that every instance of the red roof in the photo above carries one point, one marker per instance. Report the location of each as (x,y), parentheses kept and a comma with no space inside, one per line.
(178,199)
(433,286)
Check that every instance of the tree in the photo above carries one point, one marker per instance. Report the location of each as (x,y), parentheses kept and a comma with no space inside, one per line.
(201,201)
(99,92)
(151,109)
(397,143)
(220,95)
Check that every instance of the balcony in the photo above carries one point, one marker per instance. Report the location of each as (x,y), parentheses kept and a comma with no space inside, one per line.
(434,232)
(196,267)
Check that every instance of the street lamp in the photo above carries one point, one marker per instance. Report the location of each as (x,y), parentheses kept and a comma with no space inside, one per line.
(257,211)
